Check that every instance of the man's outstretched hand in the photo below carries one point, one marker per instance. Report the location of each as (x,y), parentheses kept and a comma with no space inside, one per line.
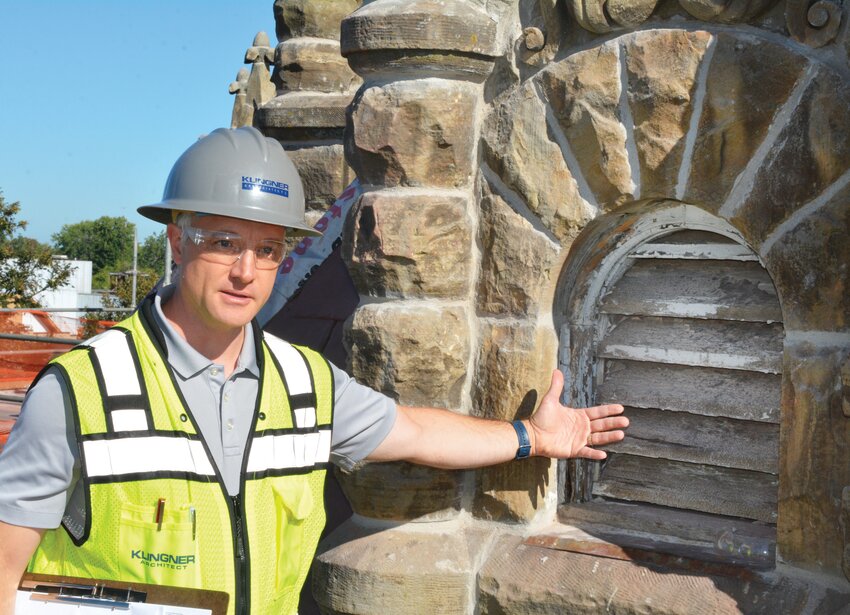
(560,432)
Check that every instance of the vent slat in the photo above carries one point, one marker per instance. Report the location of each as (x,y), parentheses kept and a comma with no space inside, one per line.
(680,436)
(740,493)
(703,343)
(723,290)
(736,394)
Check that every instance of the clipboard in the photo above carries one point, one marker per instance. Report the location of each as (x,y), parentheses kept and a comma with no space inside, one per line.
(55,595)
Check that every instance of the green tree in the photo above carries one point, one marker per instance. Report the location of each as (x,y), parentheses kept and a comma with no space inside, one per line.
(152,253)
(107,242)
(27,266)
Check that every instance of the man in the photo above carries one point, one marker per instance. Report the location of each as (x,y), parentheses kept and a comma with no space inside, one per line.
(192,449)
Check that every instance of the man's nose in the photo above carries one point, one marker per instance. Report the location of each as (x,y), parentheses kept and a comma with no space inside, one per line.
(245,267)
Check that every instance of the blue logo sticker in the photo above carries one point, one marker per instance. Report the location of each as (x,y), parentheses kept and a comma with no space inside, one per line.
(265,185)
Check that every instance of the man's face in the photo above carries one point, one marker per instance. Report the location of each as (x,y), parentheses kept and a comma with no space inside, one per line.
(223,297)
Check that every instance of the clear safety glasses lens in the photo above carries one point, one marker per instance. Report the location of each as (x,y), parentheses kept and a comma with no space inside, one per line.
(227,248)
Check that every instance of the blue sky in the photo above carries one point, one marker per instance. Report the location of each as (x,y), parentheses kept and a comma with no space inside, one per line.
(99,98)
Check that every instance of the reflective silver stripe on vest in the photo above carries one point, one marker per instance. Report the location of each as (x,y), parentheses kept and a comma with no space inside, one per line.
(145,455)
(289,451)
(296,371)
(120,378)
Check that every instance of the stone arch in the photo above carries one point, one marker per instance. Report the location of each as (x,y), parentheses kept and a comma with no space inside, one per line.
(743,125)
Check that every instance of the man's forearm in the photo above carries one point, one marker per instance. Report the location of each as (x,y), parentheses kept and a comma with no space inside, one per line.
(17,545)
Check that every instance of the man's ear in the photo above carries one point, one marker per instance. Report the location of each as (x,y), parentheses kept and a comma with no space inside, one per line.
(173,234)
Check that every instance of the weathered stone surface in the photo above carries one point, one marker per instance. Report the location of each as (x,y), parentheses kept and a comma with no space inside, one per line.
(815,460)
(318,18)
(810,265)
(396,570)
(517,147)
(513,373)
(584,93)
(451,25)
(413,133)
(735,115)
(662,68)
(395,64)
(516,262)
(323,172)
(416,245)
(533,580)
(812,152)
(416,354)
(313,65)
(600,16)
(402,491)
(726,12)
(845,528)
(301,110)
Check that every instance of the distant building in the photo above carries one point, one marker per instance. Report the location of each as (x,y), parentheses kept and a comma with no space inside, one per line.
(75,293)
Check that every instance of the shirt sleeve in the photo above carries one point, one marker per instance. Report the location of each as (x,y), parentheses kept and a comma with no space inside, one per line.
(39,465)
(362,419)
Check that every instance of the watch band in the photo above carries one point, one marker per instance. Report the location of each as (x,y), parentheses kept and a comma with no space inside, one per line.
(524,449)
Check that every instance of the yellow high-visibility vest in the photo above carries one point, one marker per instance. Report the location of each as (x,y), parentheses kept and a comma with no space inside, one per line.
(139,444)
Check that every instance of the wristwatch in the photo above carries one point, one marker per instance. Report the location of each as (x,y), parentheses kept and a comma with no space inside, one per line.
(524,448)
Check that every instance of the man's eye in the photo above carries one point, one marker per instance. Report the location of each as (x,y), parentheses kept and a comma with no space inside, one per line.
(224,245)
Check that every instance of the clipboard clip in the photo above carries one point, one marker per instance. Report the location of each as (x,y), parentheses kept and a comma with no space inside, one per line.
(87,595)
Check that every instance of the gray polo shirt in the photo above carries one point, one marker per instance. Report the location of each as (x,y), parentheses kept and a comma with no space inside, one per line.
(39,466)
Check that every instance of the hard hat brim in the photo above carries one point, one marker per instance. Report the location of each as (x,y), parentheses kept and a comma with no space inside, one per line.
(161,214)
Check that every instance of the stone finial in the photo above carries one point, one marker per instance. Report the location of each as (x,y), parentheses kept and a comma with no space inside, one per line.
(260,56)
(845,387)
(813,22)
(242,111)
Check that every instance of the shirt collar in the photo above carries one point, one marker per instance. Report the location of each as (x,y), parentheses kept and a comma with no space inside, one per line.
(187,361)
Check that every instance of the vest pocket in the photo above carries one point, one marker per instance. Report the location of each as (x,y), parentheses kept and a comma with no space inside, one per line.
(293,505)
(165,554)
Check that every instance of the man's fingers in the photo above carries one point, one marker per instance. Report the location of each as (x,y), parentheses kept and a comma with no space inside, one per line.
(599,412)
(591,453)
(607,437)
(556,386)
(609,423)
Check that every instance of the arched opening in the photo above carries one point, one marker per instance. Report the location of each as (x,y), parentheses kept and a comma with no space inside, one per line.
(681,324)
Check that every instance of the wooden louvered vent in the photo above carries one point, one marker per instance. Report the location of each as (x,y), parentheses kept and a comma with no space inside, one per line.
(692,346)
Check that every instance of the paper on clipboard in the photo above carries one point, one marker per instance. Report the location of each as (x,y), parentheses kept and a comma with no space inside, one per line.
(28,603)
(40,594)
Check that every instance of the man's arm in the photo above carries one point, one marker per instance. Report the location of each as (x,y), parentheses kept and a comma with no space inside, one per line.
(19,543)
(444,439)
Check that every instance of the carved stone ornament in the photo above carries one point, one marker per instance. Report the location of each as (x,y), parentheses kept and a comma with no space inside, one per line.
(594,15)
(726,11)
(814,23)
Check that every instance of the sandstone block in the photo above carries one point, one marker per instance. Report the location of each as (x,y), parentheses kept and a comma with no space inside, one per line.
(451,25)
(662,68)
(809,264)
(395,570)
(313,65)
(811,153)
(317,18)
(517,147)
(300,111)
(815,464)
(323,172)
(584,93)
(415,353)
(735,115)
(402,491)
(514,371)
(413,133)
(520,578)
(516,262)
(410,245)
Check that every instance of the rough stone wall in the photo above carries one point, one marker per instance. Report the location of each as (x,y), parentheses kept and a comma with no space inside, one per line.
(489,134)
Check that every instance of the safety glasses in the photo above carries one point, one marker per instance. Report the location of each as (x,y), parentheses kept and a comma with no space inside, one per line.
(227,248)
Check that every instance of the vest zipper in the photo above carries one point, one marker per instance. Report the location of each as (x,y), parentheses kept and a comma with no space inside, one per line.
(243,595)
